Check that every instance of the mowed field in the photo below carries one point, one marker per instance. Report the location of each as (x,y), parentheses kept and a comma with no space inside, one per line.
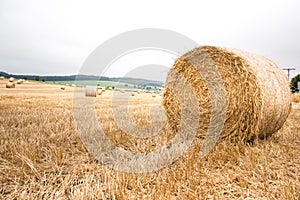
(42,156)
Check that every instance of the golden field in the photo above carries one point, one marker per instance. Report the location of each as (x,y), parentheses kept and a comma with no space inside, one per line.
(42,156)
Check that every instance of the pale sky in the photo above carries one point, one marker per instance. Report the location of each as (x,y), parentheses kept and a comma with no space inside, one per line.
(56,36)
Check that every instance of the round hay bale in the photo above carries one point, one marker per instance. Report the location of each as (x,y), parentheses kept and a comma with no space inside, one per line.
(62,88)
(296,97)
(132,94)
(99,92)
(1,77)
(256,90)
(153,95)
(20,81)
(91,91)
(101,89)
(11,79)
(10,85)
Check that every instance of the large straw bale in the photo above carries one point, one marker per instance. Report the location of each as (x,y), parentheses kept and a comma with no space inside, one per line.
(257,92)
(11,79)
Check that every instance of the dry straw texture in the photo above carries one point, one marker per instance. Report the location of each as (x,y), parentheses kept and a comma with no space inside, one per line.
(257,92)
(10,85)
(91,91)
(11,79)
(42,156)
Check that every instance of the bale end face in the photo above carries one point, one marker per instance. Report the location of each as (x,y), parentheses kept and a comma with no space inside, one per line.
(91,91)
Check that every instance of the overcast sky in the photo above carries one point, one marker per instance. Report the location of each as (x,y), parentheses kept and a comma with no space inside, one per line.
(55,37)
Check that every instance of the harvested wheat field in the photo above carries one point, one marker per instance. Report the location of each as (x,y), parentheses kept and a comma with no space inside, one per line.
(42,156)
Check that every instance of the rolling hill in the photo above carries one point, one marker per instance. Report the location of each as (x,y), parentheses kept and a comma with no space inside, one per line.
(80,77)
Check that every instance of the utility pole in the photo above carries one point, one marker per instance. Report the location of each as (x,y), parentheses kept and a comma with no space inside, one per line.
(288,70)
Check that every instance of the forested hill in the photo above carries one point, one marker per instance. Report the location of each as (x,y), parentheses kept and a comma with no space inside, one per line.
(133,81)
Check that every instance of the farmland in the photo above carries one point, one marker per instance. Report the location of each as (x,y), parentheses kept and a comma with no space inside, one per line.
(42,155)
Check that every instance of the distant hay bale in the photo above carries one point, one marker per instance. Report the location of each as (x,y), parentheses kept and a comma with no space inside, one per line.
(91,91)
(20,81)
(1,77)
(11,79)
(257,92)
(73,85)
(99,92)
(153,95)
(296,97)
(62,88)
(133,94)
(10,85)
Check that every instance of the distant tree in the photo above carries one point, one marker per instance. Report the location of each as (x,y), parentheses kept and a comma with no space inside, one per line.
(43,80)
(113,87)
(37,78)
(294,83)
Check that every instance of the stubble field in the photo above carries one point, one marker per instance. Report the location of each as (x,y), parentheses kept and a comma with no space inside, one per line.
(42,156)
